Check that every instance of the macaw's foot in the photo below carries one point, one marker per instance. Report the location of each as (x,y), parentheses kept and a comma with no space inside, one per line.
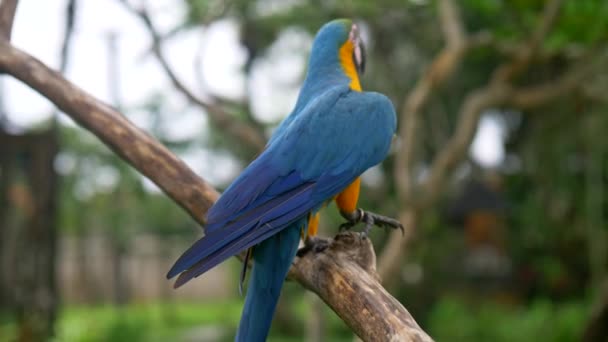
(370,219)
(313,244)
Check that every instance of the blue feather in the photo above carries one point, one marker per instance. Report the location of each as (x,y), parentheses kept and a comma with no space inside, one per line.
(271,261)
(227,237)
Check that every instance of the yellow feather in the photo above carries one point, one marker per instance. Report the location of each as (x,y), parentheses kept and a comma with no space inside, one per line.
(346,60)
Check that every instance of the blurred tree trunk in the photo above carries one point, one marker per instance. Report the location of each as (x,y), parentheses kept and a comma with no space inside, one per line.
(594,193)
(91,289)
(118,249)
(4,231)
(166,293)
(315,324)
(120,287)
(32,256)
(597,327)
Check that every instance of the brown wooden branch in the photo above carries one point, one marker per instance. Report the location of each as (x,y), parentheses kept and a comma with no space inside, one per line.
(228,123)
(495,94)
(346,268)
(7,15)
(343,273)
(497,91)
(545,24)
(528,49)
(445,64)
(68,34)
(139,149)
(457,146)
(451,23)
(537,95)
(441,69)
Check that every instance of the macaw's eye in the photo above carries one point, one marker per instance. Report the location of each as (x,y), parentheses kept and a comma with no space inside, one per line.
(359,56)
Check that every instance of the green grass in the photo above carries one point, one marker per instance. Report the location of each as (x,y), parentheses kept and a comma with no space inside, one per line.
(144,322)
(138,322)
(453,319)
(170,322)
(450,319)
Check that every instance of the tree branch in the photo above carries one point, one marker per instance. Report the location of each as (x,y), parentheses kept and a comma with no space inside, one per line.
(528,49)
(132,144)
(457,146)
(536,95)
(342,275)
(445,64)
(68,34)
(497,91)
(442,68)
(7,15)
(229,124)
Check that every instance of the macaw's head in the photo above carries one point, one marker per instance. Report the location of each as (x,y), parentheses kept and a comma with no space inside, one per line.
(338,47)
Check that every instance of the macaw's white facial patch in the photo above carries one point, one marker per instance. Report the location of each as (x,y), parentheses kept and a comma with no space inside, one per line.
(358,49)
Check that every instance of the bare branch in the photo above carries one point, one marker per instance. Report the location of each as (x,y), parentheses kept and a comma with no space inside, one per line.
(492,95)
(70,18)
(594,94)
(534,96)
(442,67)
(457,146)
(495,94)
(440,70)
(344,275)
(497,91)
(547,20)
(223,120)
(451,23)
(7,15)
(392,254)
(528,49)
(132,144)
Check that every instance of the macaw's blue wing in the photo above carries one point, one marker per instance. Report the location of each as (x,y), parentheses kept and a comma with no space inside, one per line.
(334,139)
(264,218)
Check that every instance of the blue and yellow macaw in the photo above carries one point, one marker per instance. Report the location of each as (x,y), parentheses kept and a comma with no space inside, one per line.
(335,132)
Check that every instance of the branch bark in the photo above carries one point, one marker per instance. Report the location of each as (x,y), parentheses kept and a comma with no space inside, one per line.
(7,15)
(342,275)
(441,69)
(497,91)
(68,34)
(139,149)
(457,43)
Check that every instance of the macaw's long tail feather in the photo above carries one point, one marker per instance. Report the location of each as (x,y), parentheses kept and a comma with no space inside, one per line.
(271,261)
(248,229)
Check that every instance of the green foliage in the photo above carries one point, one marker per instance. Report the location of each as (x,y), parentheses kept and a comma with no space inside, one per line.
(204,321)
(455,320)
(146,322)
(581,21)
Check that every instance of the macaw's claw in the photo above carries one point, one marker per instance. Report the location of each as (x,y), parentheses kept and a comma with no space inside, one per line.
(313,244)
(370,219)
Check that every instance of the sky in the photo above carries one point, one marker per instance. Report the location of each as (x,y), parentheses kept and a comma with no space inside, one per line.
(207,60)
